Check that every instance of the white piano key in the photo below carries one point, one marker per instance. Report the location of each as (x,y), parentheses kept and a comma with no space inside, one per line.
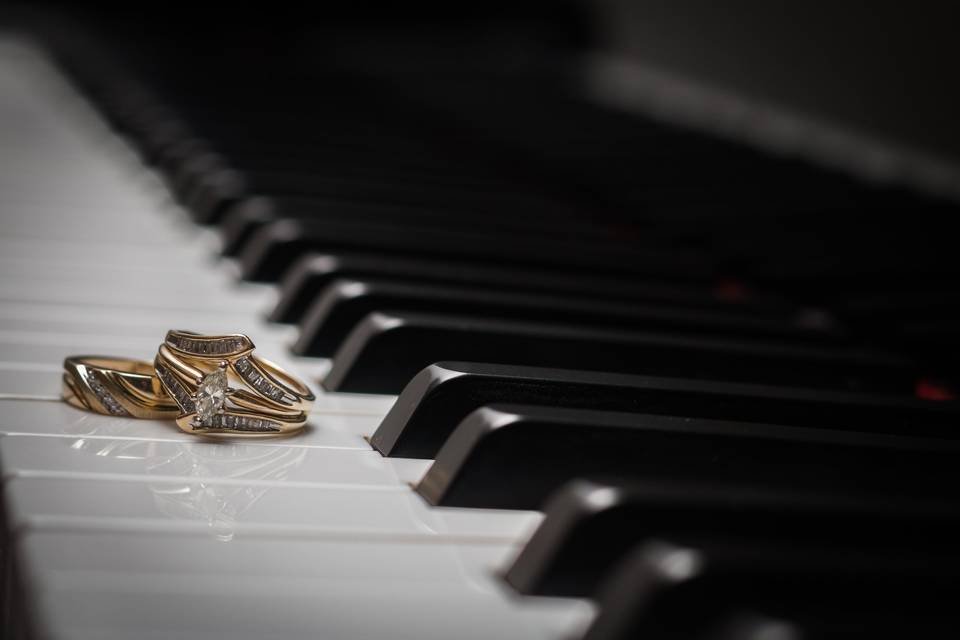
(13,328)
(446,590)
(223,510)
(253,610)
(103,326)
(54,317)
(37,382)
(48,348)
(47,418)
(409,470)
(73,321)
(16,354)
(159,277)
(37,220)
(228,462)
(83,342)
(64,251)
(166,295)
(354,404)
(184,556)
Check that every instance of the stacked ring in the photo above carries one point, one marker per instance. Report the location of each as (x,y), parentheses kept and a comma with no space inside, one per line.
(115,387)
(197,372)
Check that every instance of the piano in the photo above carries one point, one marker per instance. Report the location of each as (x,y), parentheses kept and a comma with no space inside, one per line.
(648,335)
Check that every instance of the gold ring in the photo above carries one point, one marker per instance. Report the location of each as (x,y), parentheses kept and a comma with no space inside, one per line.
(197,372)
(115,387)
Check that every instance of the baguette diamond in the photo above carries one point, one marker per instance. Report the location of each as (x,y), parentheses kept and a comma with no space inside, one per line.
(257,380)
(209,346)
(176,389)
(104,396)
(242,423)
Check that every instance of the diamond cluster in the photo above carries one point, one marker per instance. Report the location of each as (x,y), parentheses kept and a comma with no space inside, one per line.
(104,396)
(257,380)
(217,347)
(242,423)
(176,389)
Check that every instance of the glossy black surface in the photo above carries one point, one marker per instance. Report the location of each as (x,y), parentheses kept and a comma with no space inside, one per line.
(441,395)
(311,274)
(344,304)
(514,457)
(722,590)
(275,246)
(387,349)
(589,528)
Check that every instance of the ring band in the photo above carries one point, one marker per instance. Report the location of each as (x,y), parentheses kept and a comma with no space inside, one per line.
(197,371)
(115,387)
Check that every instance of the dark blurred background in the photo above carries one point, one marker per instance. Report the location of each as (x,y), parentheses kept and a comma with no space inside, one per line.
(881,68)
(803,149)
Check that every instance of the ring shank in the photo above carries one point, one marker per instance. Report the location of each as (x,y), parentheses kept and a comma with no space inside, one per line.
(121,387)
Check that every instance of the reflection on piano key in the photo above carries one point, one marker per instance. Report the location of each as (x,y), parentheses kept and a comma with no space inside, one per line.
(256,500)
(331,429)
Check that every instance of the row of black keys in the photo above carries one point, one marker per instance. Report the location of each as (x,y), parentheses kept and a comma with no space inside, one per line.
(704,562)
(389,295)
(762,511)
(355,167)
(769,396)
(360,172)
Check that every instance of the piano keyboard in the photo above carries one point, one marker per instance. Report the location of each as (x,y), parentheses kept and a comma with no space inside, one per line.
(531,422)
(129,528)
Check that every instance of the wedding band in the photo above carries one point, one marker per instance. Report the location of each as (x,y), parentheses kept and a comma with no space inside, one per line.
(221,387)
(115,387)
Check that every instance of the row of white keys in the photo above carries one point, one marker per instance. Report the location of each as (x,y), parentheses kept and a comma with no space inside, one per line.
(131,528)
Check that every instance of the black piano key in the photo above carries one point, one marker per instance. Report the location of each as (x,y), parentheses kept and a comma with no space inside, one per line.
(350,155)
(346,302)
(750,625)
(332,159)
(187,160)
(243,219)
(306,278)
(589,528)
(514,457)
(222,187)
(210,197)
(274,247)
(159,135)
(441,395)
(665,591)
(387,349)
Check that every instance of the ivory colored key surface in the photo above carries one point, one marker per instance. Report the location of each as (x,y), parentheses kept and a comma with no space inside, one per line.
(68,457)
(224,508)
(375,597)
(129,527)
(53,418)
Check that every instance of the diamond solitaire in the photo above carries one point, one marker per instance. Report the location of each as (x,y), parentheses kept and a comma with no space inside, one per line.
(210,395)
